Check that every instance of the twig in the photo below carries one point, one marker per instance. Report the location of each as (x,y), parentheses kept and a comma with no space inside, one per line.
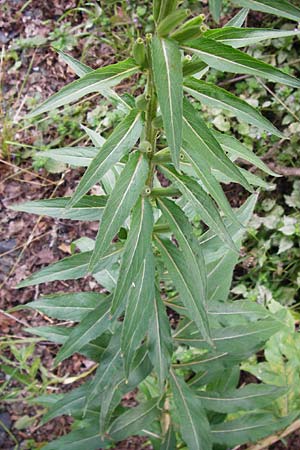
(265,443)
(278,99)
(285,171)
(27,171)
(22,245)
(10,316)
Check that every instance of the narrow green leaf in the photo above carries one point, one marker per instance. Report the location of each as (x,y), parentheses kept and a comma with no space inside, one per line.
(82,69)
(70,404)
(135,250)
(216,97)
(92,325)
(199,169)
(185,278)
(237,150)
(238,19)
(227,59)
(119,386)
(78,67)
(111,364)
(194,425)
(84,438)
(196,135)
(124,196)
(191,250)
(232,339)
(252,396)
(139,309)
(215,8)
(194,66)
(249,428)
(58,334)
(281,8)
(160,341)
(202,203)
(74,306)
(95,137)
(167,70)
(120,142)
(94,81)
(89,207)
(169,442)
(241,37)
(134,420)
(71,268)
(75,156)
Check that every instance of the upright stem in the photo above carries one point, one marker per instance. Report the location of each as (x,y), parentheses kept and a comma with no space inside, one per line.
(150,131)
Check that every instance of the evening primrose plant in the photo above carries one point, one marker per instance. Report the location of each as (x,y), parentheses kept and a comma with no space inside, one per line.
(163,322)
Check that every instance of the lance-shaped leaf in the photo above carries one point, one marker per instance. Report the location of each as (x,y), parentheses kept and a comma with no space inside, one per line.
(71,268)
(111,364)
(135,250)
(134,420)
(215,8)
(241,37)
(167,70)
(185,278)
(58,334)
(139,309)
(209,178)
(227,59)
(169,442)
(74,306)
(249,428)
(71,403)
(94,81)
(75,156)
(120,202)
(193,422)
(281,8)
(252,396)
(78,67)
(183,232)
(196,135)
(92,325)
(90,207)
(238,19)
(236,149)
(87,437)
(216,97)
(202,203)
(160,341)
(232,339)
(194,66)
(119,386)
(95,137)
(82,69)
(120,142)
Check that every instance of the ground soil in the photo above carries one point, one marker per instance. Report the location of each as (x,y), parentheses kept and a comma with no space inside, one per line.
(28,243)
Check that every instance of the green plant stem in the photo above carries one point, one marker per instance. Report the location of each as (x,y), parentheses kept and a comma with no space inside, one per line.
(165,192)
(150,131)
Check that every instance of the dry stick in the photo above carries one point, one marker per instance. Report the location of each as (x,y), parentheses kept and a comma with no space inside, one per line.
(29,240)
(278,99)
(10,316)
(28,171)
(265,443)
(22,245)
